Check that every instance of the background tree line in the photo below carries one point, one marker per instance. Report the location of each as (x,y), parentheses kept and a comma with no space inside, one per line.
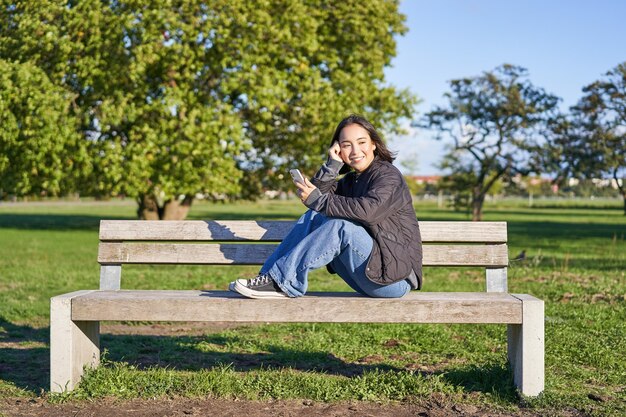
(500,125)
(161,101)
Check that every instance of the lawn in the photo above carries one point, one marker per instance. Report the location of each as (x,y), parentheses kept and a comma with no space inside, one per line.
(575,261)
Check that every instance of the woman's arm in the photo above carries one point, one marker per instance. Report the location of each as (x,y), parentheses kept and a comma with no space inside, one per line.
(382,199)
(326,178)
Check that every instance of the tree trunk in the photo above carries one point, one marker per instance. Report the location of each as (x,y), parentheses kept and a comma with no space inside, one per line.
(622,190)
(621,187)
(478,198)
(176,209)
(149,208)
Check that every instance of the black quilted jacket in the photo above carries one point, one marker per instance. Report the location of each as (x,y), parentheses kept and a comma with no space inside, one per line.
(380,200)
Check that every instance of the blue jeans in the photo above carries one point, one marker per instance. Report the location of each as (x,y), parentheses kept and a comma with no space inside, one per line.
(316,241)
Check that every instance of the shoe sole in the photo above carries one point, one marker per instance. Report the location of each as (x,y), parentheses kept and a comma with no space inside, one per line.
(247,292)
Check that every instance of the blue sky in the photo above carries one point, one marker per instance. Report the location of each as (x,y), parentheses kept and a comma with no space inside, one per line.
(564,44)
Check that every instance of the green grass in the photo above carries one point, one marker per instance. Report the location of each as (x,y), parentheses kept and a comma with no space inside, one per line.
(576,262)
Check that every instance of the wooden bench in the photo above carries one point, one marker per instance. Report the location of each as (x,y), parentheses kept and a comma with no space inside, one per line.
(75,317)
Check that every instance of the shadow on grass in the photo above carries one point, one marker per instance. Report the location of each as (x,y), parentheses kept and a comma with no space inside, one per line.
(25,359)
(534,230)
(618,207)
(491,378)
(564,230)
(194,353)
(53,221)
(24,356)
(85,222)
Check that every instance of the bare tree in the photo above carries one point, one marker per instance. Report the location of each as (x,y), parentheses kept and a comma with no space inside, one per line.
(493,121)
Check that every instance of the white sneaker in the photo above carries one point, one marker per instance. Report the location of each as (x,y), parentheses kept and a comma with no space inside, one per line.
(261,286)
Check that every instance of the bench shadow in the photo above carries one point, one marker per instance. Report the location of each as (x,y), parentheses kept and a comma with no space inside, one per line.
(488,378)
(195,353)
(25,359)
(274,231)
(25,356)
(270,233)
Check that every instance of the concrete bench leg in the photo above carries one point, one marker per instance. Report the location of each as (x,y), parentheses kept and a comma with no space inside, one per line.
(73,345)
(497,280)
(526,347)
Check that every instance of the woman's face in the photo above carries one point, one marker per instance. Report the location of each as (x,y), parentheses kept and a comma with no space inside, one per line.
(356,147)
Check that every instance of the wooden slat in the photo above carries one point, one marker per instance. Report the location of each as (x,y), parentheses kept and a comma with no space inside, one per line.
(463,232)
(227,230)
(181,253)
(416,307)
(256,254)
(466,255)
(232,230)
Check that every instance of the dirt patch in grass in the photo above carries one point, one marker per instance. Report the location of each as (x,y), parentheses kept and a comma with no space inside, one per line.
(219,407)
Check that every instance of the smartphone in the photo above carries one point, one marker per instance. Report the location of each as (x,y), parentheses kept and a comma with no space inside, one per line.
(296,175)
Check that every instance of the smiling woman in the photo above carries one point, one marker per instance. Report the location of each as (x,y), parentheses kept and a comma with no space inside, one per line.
(356,138)
(356,147)
(362,227)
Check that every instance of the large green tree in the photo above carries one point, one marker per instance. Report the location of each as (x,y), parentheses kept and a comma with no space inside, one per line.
(493,121)
(183,97)
(41,153)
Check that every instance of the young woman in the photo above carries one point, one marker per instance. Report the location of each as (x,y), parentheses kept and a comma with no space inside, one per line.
(362,227)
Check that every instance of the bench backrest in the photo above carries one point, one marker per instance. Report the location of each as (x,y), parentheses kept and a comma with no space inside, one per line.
(235,242)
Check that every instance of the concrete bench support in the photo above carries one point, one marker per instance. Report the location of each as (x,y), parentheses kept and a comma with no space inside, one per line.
(110,277)
(73,344)
(526,347)
(496,279)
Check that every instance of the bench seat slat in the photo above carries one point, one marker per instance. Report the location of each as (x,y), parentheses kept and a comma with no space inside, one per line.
(190,230)
(256,254)
(422,307)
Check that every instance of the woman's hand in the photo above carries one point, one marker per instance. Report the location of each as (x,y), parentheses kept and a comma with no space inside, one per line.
(304,189)
(335,152)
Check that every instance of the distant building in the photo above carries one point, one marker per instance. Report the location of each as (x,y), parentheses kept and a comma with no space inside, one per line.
(599,182)
(537,183)
(425,179)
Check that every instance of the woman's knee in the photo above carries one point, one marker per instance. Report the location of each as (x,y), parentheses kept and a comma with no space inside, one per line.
(397,290)
(344,225)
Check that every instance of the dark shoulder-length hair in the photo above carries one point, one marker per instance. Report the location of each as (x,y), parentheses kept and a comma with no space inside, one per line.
(381,149)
